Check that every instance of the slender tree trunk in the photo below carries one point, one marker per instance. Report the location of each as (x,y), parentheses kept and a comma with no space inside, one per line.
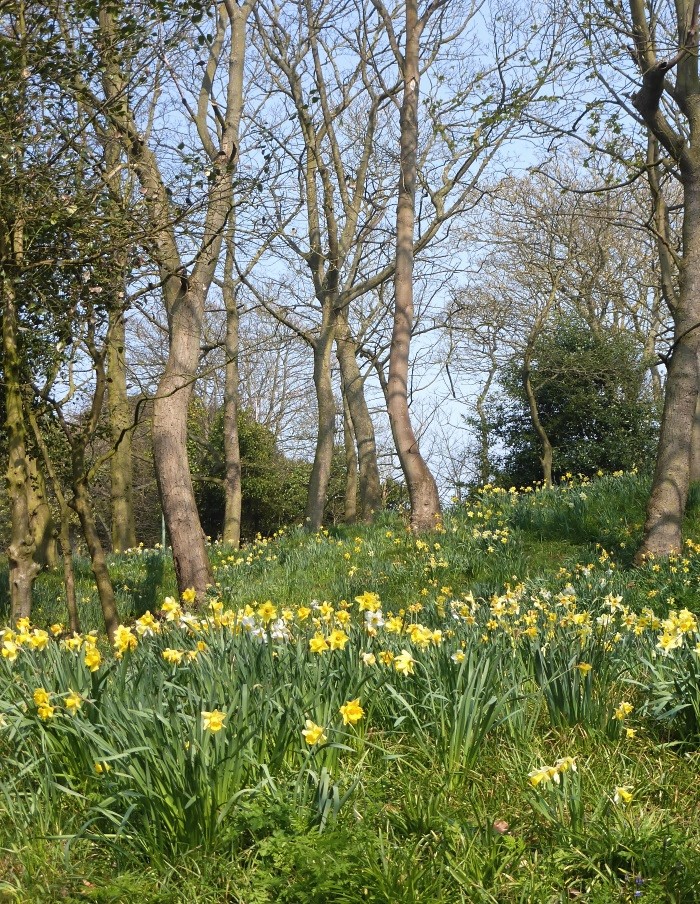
(351,470)
(547,452)
(695,444)
(669,491)
(484,459)
(323,458)
(170,408)
(354,397)
(64,535)
(121,468)
(232,452)
(23,569)
(40,517)
(68,573)
(422,489)
(82,505)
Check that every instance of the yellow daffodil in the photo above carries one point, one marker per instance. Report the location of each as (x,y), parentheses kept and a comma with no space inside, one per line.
(171,609)
(93,659)
(189,595)
(10,650)
(213,721)
(124,639)
(623,795)
(39,639)
(73,702)
(318,644)
(313,733)
(174,657)
(56,629)
(584,667)
(46,712)
(404,663)
(368,658)
(459,656)
(101,768)
(352,712)
(337,639)
(369,601)
(623,710)
(41,697)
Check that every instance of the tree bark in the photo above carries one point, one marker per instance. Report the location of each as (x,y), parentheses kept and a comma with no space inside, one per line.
(184,292)
(232,452)
(695,444)
(669,491)
(354,395)
(351,471)
(547,452)
(64,535)
(23,568)
(121,470)
(40,517)
(82,505)
(422,489)
(325,401)
(170,408)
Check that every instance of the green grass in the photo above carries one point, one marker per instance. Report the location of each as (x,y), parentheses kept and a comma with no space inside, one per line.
(428,798)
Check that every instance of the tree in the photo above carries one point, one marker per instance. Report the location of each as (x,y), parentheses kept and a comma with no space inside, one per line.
(118,37)
(593,397)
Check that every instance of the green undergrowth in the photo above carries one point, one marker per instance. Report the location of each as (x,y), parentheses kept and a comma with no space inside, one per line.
(539,743)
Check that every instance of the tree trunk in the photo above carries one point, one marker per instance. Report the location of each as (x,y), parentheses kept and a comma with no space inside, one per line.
(20,553)
(547,452)
(422,489)
(68,574)
(82,505)
(354,396)
(323,458)
(40,517)
(120,464)
(695,444)
(669,491)
(64,535)
(170,408)
(232,452)
(351,474)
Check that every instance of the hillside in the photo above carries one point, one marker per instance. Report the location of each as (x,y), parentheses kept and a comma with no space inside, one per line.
(503,710)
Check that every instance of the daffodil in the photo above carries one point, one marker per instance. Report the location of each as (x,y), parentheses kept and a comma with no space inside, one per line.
(368,658)
(404,663)
(318,644)
(352,712)
(623,710)
(459,656)
(622,795)
(584,668)
(313,733)
(73,702)
(174,657)
(337,639)
(213,721)
(369,601)
(41,697)
(10,650)
(189,595)
(124,639)
(93,658)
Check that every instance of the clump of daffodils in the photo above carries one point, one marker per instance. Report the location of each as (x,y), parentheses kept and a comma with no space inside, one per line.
(546,774)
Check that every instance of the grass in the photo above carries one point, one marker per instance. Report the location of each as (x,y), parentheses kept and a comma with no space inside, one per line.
(432,796)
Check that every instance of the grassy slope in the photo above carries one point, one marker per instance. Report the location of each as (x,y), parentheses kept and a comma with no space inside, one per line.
(412,833)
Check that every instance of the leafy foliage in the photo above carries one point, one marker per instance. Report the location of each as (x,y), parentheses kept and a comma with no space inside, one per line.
(594,402)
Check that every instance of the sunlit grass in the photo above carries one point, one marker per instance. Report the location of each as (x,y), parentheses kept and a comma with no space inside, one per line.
(500,711)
